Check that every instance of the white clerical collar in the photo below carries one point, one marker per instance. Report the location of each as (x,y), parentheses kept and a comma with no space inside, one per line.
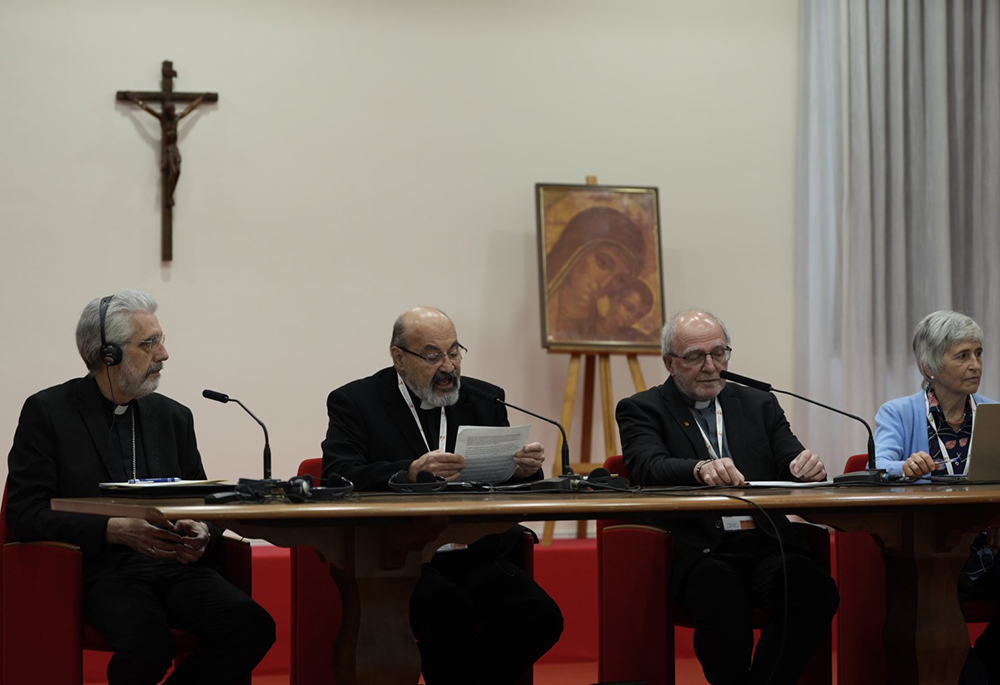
(120,409)
(702,404)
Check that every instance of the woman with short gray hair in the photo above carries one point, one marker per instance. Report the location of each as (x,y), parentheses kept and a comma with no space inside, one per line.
(929,433)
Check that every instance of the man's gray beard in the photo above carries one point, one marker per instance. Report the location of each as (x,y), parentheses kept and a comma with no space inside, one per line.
(431,398)
(136,383)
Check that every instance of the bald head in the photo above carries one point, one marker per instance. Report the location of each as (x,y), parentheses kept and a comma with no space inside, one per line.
(417,319)
(696,334)
(418,335)
(687,322)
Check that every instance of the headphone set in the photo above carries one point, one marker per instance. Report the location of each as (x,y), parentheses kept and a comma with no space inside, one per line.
(301,489)
(111,353)
(426,482)
(602,479)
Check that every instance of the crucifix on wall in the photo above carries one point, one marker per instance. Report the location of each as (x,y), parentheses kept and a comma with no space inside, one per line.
(170,155)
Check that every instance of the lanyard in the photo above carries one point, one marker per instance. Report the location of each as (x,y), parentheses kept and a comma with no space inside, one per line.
(443,437)
(944,450)
(718,430)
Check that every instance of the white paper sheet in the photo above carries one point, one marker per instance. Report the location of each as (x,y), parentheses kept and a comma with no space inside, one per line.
(489,451)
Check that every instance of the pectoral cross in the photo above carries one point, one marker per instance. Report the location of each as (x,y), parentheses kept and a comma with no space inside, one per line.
(170,155)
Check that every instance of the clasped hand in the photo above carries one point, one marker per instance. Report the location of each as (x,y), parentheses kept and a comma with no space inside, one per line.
(184,541)
(805,467)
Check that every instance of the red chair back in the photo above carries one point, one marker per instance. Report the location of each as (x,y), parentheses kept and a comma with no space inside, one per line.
(616,465)
(856,462)
(316,604)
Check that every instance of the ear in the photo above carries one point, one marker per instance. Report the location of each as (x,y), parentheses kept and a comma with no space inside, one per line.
(668,362)
(397,358)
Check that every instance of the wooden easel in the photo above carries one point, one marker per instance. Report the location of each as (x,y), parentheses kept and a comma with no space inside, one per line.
(602,361)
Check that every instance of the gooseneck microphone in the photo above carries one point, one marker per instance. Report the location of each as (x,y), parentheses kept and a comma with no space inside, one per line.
(870,475)
(222,397)
(562,482)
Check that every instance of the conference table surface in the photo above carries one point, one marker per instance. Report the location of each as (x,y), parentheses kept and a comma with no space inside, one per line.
(375,544)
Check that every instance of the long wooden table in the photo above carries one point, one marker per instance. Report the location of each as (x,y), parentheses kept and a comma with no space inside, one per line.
(375,545)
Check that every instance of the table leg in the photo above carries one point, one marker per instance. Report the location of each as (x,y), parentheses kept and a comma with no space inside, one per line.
(925,636)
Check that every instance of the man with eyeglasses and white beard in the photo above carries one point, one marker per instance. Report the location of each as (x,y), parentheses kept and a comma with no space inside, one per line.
(476,616)
(139,580)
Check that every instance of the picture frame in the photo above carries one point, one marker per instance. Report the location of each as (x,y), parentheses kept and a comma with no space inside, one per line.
(600,268)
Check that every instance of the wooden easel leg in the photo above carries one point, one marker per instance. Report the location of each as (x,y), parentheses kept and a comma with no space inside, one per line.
(587,416)
(633,366)
(607,408)
(569,398)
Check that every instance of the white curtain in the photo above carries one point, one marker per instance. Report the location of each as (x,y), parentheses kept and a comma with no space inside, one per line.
(898,198)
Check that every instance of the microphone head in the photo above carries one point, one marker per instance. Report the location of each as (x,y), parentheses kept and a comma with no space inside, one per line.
(480,393)
(213,395)
(744,380)
(599,472)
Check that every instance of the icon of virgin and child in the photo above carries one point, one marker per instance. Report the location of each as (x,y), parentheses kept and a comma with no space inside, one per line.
(598,274)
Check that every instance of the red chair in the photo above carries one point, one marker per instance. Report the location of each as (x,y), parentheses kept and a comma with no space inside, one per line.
(42,632)
(317,609)
(635,613)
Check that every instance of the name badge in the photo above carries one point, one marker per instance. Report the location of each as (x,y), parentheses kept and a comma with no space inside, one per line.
(736,523)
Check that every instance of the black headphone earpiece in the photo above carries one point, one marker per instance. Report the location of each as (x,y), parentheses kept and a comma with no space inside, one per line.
(111,353)
(426,482)
(301,489)
(601,478)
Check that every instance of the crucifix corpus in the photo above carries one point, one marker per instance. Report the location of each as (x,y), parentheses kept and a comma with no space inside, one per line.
(170,155)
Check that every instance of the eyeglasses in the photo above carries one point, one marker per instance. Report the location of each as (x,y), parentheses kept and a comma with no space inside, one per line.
(434,358)
(152,343)
(720,355)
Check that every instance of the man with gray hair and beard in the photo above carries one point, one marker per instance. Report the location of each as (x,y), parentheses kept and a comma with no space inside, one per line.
(139,580)
(476,616)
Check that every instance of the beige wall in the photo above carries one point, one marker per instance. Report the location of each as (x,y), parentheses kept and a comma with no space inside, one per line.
(367,156)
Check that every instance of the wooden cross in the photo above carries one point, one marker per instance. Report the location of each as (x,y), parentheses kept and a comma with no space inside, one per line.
(170,155)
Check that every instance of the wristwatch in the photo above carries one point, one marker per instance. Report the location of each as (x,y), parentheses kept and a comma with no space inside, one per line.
(697,469)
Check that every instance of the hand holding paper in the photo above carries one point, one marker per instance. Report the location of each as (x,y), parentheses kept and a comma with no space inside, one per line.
(529,459)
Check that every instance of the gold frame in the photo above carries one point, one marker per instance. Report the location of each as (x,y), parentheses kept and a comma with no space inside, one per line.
(601,285)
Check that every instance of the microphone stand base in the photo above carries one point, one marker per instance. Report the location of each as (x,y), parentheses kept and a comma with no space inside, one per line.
(571,482)
(265,486)
(861,477)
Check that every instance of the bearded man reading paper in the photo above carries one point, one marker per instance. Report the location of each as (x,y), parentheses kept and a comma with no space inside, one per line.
(476,616)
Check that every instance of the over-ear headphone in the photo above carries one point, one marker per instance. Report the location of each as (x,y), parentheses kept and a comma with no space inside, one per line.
(111,353)
(426,482)
(301,489)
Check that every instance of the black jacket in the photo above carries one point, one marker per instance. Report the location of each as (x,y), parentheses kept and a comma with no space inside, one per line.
(372,435)
(61,449)
(661,444)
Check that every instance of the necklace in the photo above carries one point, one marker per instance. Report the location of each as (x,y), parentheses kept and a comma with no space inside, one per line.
(134,475)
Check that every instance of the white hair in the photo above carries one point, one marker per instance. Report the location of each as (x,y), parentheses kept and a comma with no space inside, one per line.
(117,323)
(936,334)
(670,329)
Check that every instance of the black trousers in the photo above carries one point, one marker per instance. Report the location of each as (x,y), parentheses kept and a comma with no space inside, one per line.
(721,592)
(480,620)
(136,607)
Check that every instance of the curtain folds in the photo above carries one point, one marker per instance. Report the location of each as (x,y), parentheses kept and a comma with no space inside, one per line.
(898,198)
